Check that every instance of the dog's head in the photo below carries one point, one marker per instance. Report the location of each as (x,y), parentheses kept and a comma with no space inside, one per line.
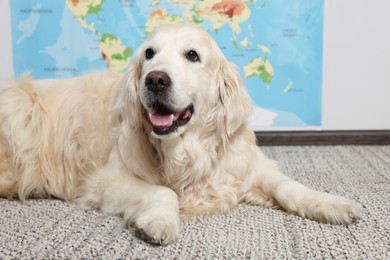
(183,81)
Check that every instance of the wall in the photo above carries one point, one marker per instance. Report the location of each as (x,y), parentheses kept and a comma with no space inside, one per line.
(356,73)
(6,64)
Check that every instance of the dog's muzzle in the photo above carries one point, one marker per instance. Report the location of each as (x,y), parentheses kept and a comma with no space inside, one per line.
(163,117)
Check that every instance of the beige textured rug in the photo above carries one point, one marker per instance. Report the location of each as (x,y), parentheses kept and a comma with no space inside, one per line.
(52,229)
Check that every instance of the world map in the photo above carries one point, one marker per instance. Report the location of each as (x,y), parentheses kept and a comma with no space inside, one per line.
(276,44)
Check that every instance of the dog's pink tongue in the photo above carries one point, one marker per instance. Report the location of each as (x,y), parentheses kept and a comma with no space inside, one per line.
(161,121)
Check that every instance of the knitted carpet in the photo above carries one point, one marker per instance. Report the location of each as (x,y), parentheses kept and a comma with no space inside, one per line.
(52,229)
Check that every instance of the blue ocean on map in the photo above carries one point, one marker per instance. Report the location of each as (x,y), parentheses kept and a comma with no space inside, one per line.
(49,41)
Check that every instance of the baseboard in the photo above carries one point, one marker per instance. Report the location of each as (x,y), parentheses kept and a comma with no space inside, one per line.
(373,137)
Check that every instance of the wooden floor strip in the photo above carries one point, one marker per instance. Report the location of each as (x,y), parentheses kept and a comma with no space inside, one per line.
(374,137)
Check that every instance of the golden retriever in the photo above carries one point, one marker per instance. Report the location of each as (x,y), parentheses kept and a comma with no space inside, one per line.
(168,137)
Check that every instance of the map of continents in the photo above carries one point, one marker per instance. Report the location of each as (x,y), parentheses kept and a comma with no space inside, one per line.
(277,44)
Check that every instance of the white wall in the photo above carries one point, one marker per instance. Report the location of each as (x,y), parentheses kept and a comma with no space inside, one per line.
(6,63)
(356,73)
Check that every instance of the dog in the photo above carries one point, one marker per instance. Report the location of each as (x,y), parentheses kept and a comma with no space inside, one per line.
(168,137)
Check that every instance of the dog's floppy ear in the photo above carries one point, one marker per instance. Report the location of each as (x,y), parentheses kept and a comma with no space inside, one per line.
(128,106)
(234,105)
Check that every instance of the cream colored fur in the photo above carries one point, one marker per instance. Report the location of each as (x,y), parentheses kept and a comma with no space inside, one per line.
(89,140)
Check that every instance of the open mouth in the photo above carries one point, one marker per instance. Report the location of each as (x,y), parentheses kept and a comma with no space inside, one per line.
(165,121)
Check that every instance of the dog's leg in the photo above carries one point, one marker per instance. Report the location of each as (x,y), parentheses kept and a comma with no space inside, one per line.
(298,199)
(152,209)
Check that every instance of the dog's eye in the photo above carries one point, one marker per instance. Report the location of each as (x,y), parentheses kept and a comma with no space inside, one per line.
(149,53)
(192,56)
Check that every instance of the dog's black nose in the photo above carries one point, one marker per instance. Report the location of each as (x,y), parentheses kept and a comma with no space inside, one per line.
(157,81)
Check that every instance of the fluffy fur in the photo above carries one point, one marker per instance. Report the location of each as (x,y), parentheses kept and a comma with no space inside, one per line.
(91,140)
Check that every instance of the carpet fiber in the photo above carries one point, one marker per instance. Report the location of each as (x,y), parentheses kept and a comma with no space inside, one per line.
(52,229)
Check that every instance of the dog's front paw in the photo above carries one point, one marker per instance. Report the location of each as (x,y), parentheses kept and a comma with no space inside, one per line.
(160,228)
(324,207)
(160,231)
(157,218)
